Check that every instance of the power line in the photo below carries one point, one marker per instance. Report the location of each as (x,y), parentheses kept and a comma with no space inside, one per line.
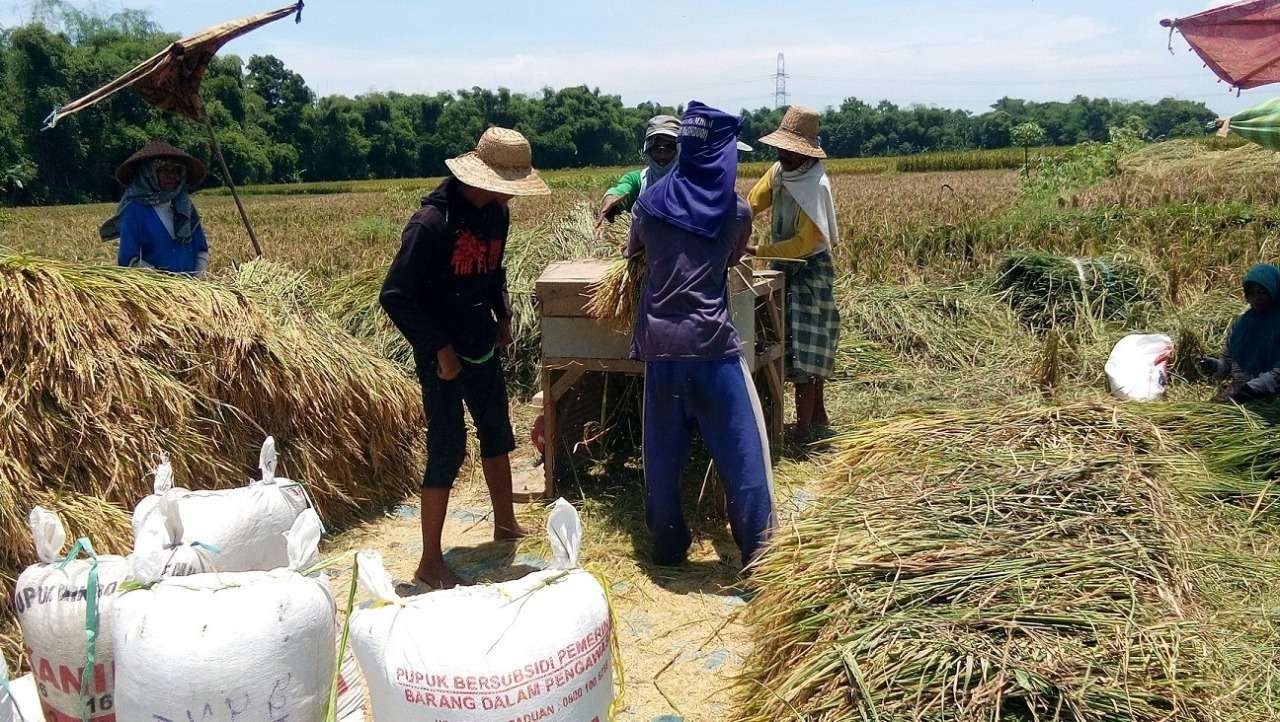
(780,83)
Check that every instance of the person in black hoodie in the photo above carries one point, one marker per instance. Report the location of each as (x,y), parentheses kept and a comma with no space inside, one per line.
(446,292)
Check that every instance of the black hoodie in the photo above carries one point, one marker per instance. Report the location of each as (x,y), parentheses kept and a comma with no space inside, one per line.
(447,285)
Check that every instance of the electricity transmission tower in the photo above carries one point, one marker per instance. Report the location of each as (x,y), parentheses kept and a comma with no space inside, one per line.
(780,83)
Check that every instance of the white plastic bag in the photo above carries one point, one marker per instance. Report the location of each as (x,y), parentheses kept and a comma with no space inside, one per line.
(534,649)
(1138,369)
(19,699)
(51,600)
(245,526)
(248,645)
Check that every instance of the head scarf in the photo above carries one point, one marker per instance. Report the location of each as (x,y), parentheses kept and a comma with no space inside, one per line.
(698,196)
(144,188)
(810,188)
(1254,344)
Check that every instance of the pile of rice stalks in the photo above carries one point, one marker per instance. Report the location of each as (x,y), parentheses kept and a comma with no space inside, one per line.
(102,369)
(1012,564)
(353,303)
(1047,290)
(1180,157)
(615,299)
(941,328)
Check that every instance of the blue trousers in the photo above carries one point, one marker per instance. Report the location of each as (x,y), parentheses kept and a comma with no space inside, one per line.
(718,398)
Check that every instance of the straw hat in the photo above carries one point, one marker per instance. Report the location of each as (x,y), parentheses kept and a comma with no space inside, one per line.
(502,162)
(160,149)
(798,133)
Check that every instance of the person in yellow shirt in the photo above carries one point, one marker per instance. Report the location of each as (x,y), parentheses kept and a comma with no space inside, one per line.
(803,227)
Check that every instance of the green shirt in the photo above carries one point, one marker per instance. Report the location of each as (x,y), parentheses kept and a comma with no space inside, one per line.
(628,186)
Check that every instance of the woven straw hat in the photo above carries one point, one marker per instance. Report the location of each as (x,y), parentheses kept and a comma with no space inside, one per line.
(502,163)
(160,149)
(798,133)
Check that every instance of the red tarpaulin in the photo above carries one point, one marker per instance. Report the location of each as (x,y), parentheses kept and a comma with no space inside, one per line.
(1240,42)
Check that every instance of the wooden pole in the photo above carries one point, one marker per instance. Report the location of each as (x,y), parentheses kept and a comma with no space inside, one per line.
(226,176)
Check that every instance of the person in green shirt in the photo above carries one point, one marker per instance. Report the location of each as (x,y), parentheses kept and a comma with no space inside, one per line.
(660,149)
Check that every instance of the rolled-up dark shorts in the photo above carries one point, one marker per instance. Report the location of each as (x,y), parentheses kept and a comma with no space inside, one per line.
(482,388)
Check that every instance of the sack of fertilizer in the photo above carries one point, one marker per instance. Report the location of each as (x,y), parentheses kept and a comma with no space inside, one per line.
(1138,368)
(224,646)
(19,699)
(246,526)
(168,555)
(536,649)
(64,607)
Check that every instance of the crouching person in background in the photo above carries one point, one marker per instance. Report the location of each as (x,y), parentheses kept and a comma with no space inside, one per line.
(1252,356)
(156,222)
(692,227)
(447,293)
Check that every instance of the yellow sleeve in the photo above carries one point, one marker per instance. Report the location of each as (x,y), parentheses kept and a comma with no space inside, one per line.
(802,245)
(761,196)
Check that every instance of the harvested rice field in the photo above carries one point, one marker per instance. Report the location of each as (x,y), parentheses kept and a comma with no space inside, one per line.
(984,534)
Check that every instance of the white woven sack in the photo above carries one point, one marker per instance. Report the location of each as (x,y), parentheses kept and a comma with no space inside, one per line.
(248,645)
(1138,368)
(166,554)
(246,526)
(533,649)
(51,602)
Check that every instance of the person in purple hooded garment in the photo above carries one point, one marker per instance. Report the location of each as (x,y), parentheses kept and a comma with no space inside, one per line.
(692,228)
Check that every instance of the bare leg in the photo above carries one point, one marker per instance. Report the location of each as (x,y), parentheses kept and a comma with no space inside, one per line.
(431,569)
(497,475)
(820,405)
(806,401)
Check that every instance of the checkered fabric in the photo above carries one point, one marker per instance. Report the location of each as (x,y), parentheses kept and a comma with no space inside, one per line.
(813,321)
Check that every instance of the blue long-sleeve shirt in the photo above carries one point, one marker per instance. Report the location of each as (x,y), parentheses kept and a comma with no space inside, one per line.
(143,236)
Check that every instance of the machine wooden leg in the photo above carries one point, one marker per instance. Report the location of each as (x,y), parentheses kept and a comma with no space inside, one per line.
(777,409)
(549,435)
(555,384)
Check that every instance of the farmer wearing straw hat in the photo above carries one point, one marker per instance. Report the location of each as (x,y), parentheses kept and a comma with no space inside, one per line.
(156,222)
(660,150)
(693,227)
(446,292)
(804,228)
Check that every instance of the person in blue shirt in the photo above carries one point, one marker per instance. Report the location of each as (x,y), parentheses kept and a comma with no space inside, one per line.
(156,222)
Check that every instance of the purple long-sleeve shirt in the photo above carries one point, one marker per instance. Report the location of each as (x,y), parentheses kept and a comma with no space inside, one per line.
(684,307)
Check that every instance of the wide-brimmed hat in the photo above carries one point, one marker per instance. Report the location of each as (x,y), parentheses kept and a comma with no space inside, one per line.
(160,149)
(798,133)
(502,162)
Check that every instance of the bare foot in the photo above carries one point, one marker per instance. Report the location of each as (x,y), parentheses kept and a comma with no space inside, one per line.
(439,577)
(512,532)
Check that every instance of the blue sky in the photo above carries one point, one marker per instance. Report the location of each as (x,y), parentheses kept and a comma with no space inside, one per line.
(954,53)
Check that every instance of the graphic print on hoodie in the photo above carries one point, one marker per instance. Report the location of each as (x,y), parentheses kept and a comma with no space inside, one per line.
(447,285)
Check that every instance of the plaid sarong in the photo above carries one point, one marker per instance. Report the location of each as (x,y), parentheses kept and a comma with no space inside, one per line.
(813,321)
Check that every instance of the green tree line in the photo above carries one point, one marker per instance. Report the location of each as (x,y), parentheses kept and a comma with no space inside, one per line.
(274,128)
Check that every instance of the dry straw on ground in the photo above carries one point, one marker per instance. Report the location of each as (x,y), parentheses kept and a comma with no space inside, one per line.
(102,369)
(1026,563)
